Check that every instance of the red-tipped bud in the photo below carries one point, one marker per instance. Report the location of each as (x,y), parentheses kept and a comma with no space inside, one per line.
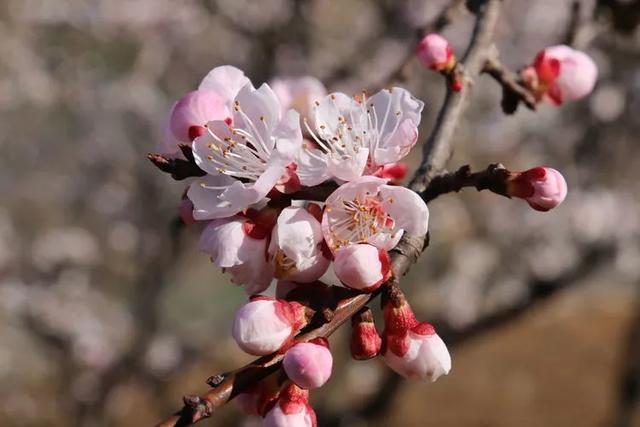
(435,53)
(265,325)
(362,266)
(365,339)
(543,188)
(291,410)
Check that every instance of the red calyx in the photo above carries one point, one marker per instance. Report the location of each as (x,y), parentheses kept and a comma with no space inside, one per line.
(196,131)
(365,339)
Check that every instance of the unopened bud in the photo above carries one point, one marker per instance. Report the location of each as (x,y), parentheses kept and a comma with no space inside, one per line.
(435,53)
(543,188)
(365,339)
(291,410)
(362,266)
(264,325)
(193,111)
(309,364)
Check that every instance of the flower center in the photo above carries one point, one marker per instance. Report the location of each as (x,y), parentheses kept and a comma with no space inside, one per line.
(243,153)
(355,221)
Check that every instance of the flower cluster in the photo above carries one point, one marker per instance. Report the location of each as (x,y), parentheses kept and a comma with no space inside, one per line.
(264,153)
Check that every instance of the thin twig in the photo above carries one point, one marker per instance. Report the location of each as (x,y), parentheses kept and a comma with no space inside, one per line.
(493,178)
(438,148)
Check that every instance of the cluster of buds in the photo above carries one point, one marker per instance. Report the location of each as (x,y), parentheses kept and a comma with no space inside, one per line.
(262,153)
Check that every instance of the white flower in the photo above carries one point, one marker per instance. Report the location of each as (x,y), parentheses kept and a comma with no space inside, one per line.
(239,247)
(244,160)
(354,136)
(296,246)
(369,211)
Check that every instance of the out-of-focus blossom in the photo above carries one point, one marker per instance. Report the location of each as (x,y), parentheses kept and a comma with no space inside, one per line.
(299,93)
(246,160)
(309,364)
(362,266)
(239,245)
(213,100)
(296,246)
(264,325)
(434,52)
(560,73)
(543,188)
(354,136)
(365,339)
(291,410)
(411,348)
(370,211)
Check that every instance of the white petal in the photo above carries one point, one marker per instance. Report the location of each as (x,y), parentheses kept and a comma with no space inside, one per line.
(288,136)
(225,80)
(356,190)
(348,168)
(260,112)
(205,194)
(312,166)
(227,243)
(397,145)
(334,106)
(297,233)
(393,108)
(406,208)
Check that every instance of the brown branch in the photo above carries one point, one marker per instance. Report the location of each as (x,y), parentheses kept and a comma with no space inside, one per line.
(493,178)
(437,149)
(403,256)
(513,89)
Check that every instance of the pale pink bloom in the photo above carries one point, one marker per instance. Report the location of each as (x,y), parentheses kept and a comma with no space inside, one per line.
(562,74)
(212,101)
(299,93)
(352,136)
(370,211)
(192,112)
(236,245)
(246,160)
(308,364)
(425,356)
(543,188)
(291,410)
(264,325)
(365,338)
(362,266)
(435,53)
(296,246)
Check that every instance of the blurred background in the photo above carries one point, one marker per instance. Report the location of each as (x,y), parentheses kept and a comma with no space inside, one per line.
(109,314)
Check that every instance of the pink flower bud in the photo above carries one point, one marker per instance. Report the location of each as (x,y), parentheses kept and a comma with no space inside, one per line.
(193,111)
(365,339)
(291,410)
(362,266)
(562,74)
(425,356)
(309,364)
(435,53)
(264,325)
(543,188)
